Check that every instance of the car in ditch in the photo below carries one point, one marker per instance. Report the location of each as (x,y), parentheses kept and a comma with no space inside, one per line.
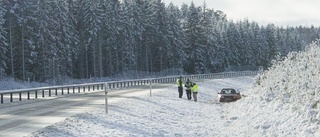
(228,95)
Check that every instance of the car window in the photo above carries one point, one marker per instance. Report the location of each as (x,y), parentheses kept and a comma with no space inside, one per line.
(228,91)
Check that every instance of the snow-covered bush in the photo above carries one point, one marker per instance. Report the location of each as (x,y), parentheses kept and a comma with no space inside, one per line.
(294,79)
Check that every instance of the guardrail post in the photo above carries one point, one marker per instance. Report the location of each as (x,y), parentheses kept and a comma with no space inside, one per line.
(150,81)
(106,96)
(1,98)
(11,98)
(28,95)
(43,93)
(20,96)
(49,92)
(36,94)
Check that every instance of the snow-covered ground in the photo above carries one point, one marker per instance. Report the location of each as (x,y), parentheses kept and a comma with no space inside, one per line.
(283,101)
(162,114)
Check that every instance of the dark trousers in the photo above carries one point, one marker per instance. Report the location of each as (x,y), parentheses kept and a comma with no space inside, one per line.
(195,97)
(180,92)
(188,91)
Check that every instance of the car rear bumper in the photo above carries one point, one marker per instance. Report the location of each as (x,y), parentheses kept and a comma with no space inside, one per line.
(227,99)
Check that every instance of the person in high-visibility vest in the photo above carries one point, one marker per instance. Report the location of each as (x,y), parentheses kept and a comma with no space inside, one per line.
(188,86)
(180,86)
(194,91)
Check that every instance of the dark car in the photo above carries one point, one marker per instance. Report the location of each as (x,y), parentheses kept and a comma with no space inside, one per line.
(228,95)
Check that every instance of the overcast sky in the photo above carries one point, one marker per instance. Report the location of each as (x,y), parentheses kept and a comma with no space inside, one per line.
(278,12)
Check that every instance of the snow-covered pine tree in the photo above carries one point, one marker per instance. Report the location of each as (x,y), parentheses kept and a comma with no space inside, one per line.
(195,40)
(211,40)
(135,10)
(201,38)
(280,42)
(125,36)
(159,24)
(258,43)
(73,38)
(114,26)
(93,21)
(22,40)
(61,30)
(176,39)
(271,43)
(246,47)
(234,45)
(3,42)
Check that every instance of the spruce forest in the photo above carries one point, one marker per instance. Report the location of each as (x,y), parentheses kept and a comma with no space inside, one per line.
(43,40)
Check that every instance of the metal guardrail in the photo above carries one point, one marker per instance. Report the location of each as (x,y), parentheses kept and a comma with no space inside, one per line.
(33,93)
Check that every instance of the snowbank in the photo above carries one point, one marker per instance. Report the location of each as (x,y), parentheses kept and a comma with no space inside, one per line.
(286,96)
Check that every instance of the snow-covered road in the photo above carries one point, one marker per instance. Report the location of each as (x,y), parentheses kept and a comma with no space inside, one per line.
(22,118)
(163,114)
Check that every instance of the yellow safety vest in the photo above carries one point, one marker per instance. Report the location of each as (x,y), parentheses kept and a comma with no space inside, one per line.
(178,82)
(194,88)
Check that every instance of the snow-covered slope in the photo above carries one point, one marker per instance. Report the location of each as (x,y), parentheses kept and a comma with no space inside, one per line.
(284,101)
